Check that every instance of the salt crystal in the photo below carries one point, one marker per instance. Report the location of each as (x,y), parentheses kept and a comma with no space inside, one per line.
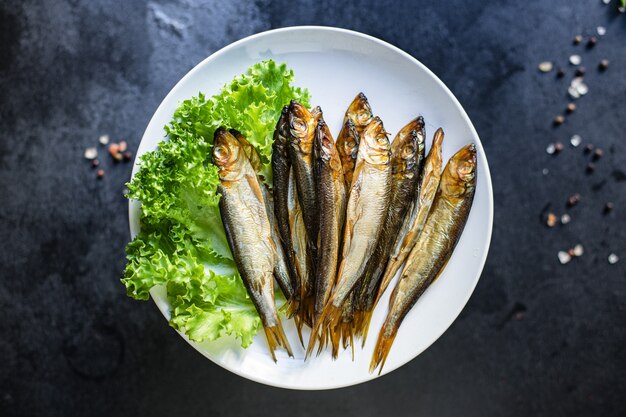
(545,66)
(550,149)
(573,92)
(545,171)
(575,140)
(564,257)
(575,60)
(91,153)
(582,89)
(606,1)
(103,139)
(613,258)
(579,250)
(601,30)
(565,218)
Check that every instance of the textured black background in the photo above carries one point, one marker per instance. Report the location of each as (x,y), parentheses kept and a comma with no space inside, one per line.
(537,338)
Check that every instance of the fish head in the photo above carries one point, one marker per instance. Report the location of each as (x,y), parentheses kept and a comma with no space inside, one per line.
(281,132)
(348,140)
(301,127)
(359,112)
(460,173)
(248,149)
(405,148)
(228,155)
(374,147)
(317,114)
(434,160)
(325,148)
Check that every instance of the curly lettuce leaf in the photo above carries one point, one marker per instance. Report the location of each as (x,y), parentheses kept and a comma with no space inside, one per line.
(182,245)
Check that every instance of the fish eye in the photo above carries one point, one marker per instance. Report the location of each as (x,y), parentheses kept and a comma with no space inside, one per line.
(298,124)
(351,144)
(221,152)
(408,151)
(465,168)
(363,116)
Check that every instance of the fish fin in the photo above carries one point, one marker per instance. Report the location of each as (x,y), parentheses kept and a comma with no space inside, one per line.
(276,337)
(356,321)
(253,181)
(352,345)
(307,309)
(326,323)
(335,339)
(381,351)
(364,325)
(299,330)
(291,308)
(345,332)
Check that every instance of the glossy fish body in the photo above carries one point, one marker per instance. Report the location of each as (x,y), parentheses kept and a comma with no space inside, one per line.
(244,215)
(281,270)
(302,257)
(348,147)
(368,202)
(331,198)
(281,168)
(302,125)
(407,154)
(302,132)
(415,221)
(434,246)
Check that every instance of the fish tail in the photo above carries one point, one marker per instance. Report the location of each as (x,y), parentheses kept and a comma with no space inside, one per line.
(291,309)
(381,351)
(299,329)
(335,338)
(323,329)
(356,322)
(346,330)
(364,325)
(307,309)
(276,337)
(292,306)
(322,345)
(352,346)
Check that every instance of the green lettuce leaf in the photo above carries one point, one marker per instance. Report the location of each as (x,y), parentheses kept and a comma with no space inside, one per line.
(182,244)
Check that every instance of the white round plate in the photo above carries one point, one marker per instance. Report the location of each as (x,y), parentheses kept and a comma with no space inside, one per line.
(336,64)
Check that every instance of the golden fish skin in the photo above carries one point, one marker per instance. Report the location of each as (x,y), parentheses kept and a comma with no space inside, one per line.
(368,202)
(359,113)
(348,147)
(434,246)
(415,221)
(407,153)
(331,199)
(302,132)
(281,168)
(281,269)
(244,215)
(302,257)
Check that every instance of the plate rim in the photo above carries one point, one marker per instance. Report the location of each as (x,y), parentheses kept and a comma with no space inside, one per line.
(464,116)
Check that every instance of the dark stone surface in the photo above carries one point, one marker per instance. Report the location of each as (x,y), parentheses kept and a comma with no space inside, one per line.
(536,338)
